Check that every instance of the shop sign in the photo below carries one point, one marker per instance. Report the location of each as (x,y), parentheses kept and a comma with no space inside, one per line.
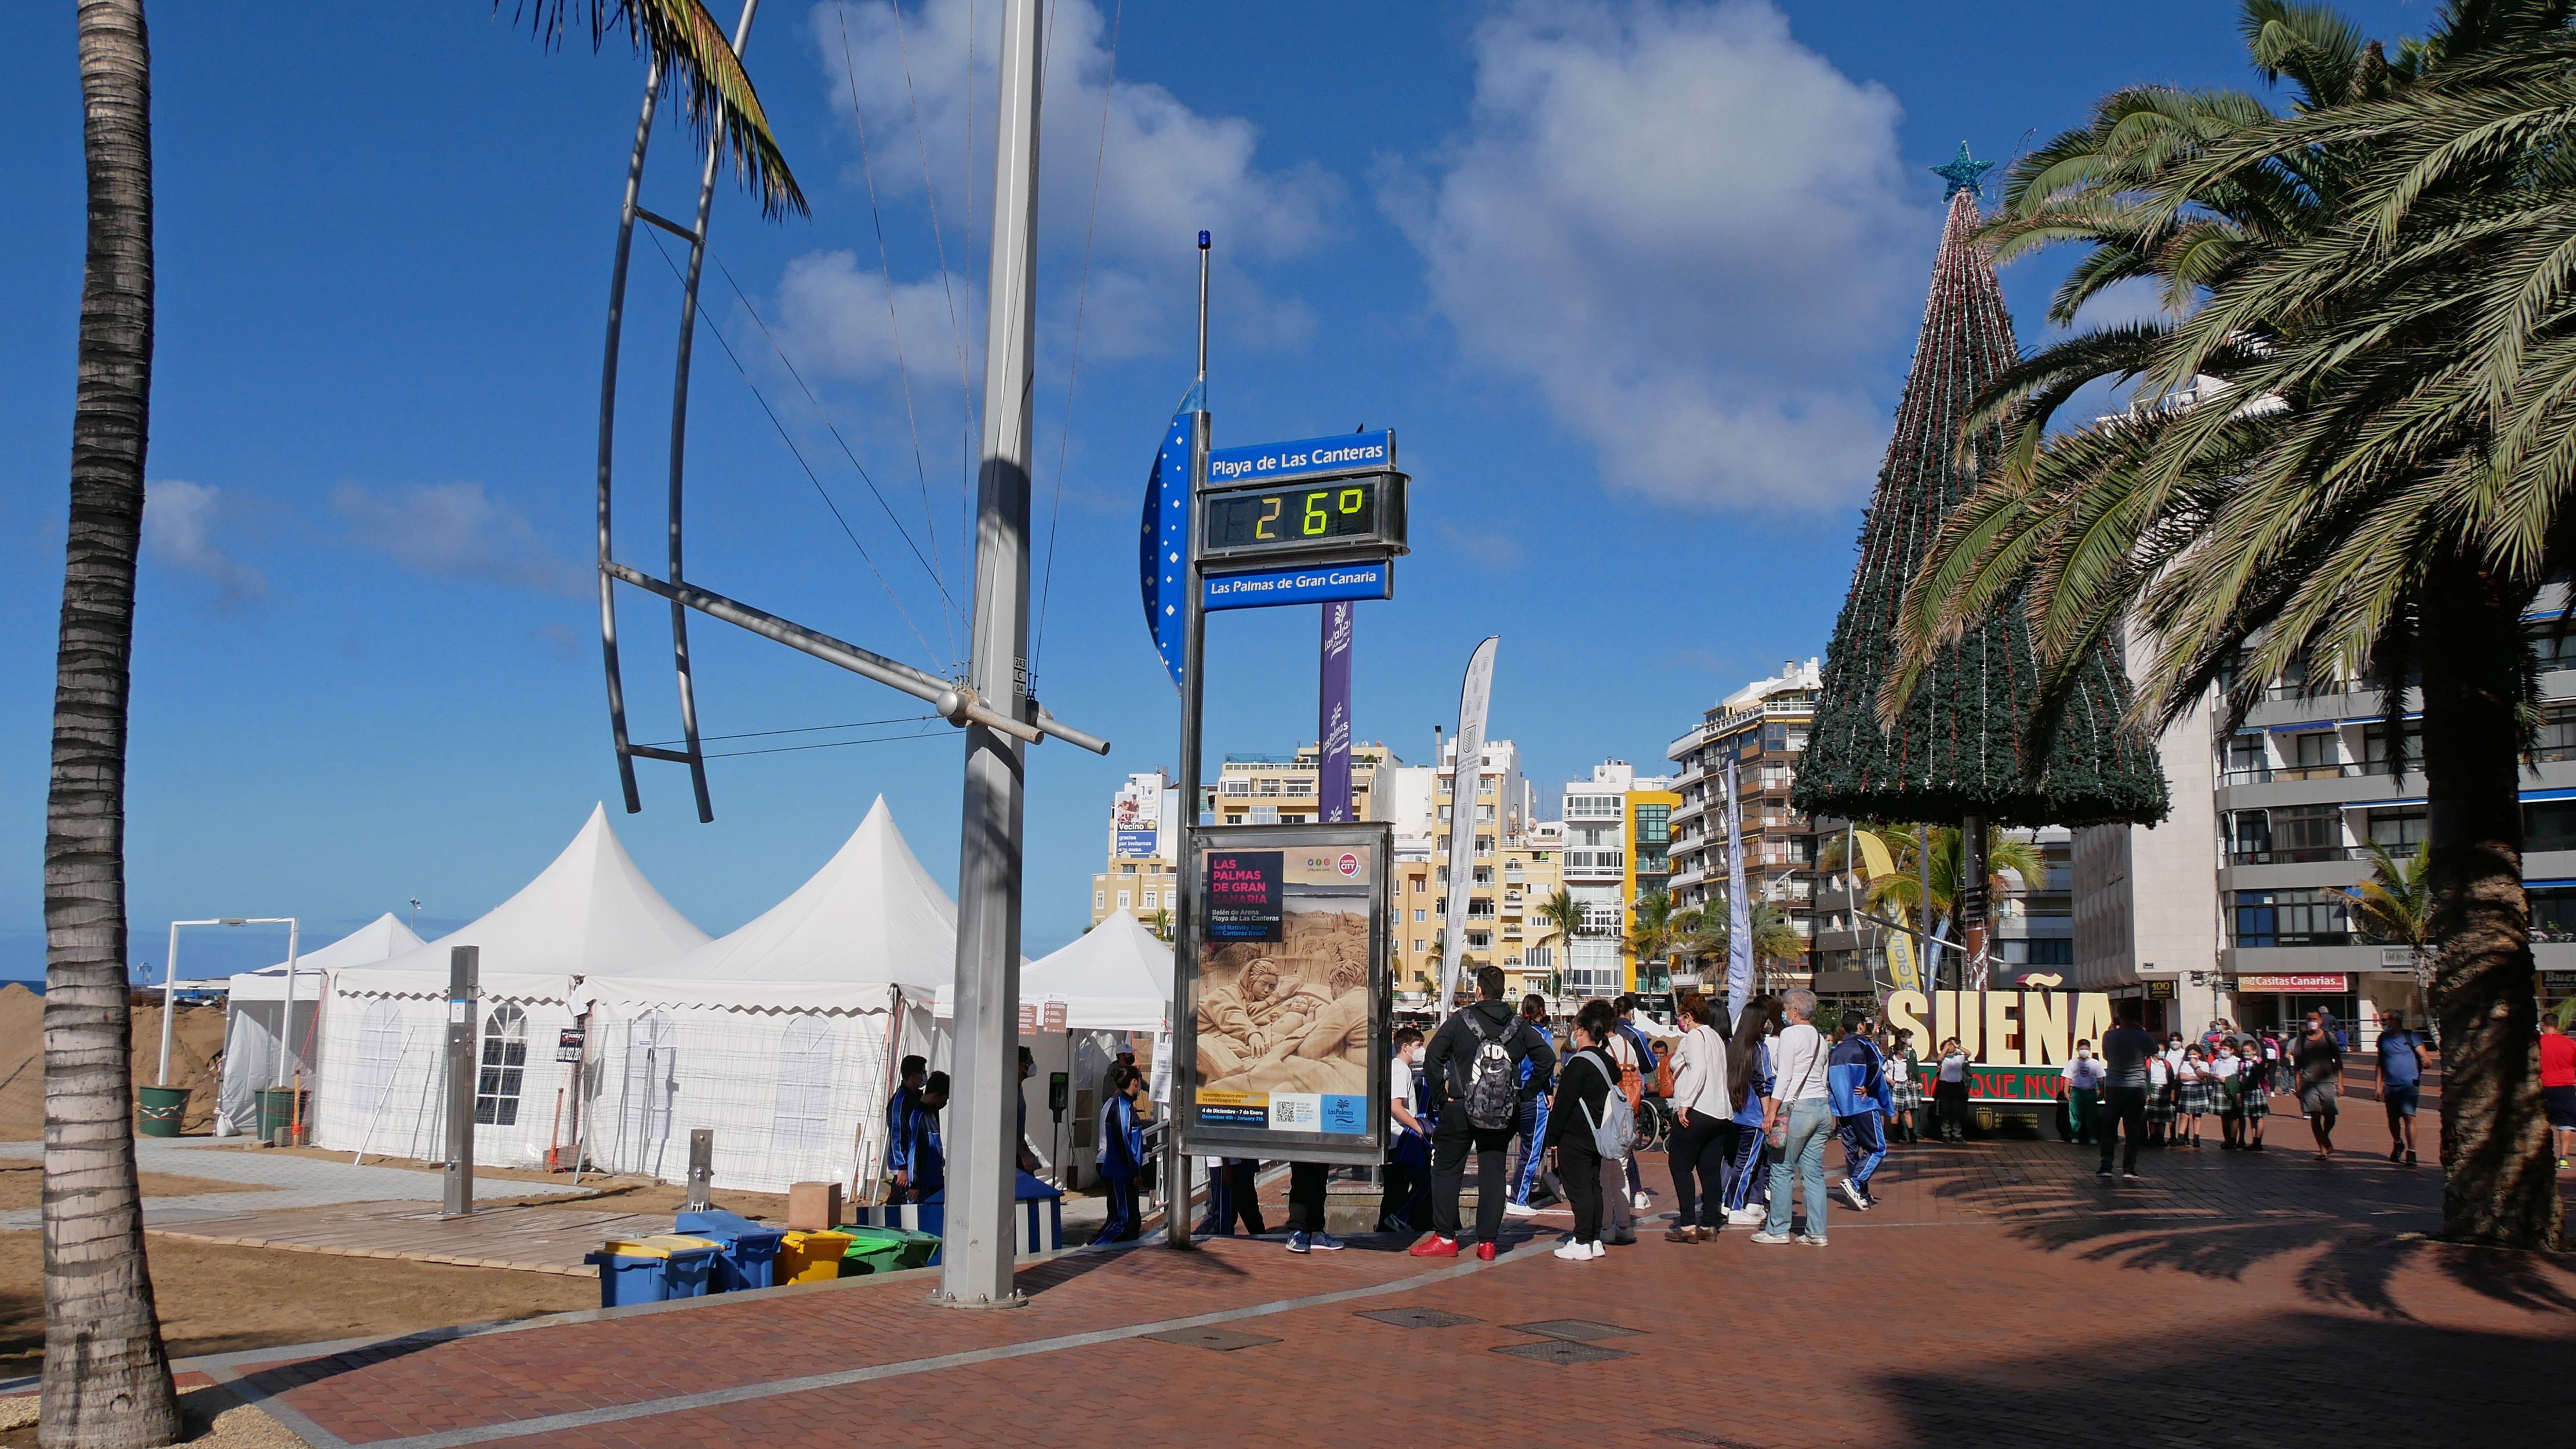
(2312,983)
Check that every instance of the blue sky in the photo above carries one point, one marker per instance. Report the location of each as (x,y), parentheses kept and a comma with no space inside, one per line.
(1634,283)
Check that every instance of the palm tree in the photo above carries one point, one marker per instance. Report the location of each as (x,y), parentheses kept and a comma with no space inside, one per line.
(2351,466)
(1160,923)
(106,1379)
(2395,904)
(1653,930)
(1900,895)
(1564,915)
(1775,938)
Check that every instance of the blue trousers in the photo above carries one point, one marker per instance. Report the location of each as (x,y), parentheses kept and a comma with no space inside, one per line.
(1742,1172)
(1122,1224)
(1801,1168)
(1533,1131)
(1864,1148)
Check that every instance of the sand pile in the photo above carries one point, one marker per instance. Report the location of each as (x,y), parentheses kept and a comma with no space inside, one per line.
(199,1035)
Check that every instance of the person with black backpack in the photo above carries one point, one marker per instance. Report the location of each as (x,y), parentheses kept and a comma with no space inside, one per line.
(1474,1067)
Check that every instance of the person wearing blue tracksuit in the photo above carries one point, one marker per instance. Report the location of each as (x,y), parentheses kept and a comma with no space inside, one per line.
(1234,1195)
(927,1160)
(1122,1156)
(1856,1085)
(1749,1080)
(907,1093)
(1530,1174)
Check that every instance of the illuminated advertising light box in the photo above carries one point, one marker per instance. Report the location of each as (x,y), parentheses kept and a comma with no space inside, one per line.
(1290,992)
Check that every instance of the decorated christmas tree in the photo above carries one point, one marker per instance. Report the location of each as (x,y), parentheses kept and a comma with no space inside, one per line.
(1965,748)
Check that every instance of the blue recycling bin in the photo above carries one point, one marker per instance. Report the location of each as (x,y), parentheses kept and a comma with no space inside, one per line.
(747,1254)
(624,1281)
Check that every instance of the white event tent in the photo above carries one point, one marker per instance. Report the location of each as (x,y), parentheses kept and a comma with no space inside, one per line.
(1115,980)
(384,1027)
(781,1036)
(255,1016)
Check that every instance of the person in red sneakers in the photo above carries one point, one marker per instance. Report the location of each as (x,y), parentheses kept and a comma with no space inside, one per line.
(1475,1077)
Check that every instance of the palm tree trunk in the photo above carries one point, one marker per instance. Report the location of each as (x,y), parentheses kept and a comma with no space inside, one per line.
(106,1377)
(2499,1187)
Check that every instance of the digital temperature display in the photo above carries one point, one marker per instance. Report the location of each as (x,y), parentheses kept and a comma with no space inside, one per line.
(1324,514)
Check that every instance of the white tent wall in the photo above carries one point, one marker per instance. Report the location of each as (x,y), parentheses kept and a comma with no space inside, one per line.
(792,1096)
(382,1082)
(252,1032)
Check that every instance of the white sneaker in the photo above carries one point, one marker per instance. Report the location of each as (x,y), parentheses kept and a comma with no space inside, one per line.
(1746,1217)
(1643,1201)
(1519,1210)
(1852,1195)
(1768,1238)
(1597,1251)
(1574,1252)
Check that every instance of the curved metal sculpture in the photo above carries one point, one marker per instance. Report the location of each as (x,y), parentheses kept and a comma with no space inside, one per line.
(957,703)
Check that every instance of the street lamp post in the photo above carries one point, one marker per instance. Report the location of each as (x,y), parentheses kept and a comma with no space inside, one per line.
(170,986)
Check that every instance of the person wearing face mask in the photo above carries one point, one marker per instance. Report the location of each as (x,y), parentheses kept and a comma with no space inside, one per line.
(2083,1074)
(1408,1157)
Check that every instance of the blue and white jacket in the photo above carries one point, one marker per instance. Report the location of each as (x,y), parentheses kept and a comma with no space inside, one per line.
(1122,1140)
(1856,1078)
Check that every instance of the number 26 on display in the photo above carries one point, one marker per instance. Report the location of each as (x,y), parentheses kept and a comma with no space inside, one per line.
(1316,521)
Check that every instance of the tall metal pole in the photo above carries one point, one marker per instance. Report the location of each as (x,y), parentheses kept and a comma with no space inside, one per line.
(464,968)
(169,998)
(286,1020)
(977,1263)
(1176,1165)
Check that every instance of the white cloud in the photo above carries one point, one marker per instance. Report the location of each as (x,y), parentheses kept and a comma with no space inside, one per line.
(1689,232)
(835,320)
(455,530)
(1164,171)
(180,523)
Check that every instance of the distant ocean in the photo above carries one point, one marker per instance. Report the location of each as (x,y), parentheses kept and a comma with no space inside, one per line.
(37,985)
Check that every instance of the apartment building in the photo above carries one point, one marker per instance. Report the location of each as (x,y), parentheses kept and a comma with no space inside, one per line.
(1144,844)
(1763,728)
(1512,864)
(2238,906)
(1617,831)
(1281,789)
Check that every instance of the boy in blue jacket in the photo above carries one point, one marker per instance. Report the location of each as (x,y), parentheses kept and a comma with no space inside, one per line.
(1856,1082)
(907,1094)
(1122,1156)
(927,1159)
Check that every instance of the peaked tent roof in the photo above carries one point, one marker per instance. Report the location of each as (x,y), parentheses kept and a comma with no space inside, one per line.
(378,940)
(590,911)
(1117,977)
(871,921)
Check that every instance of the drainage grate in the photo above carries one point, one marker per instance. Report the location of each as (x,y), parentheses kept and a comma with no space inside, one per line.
(1702,1436)
(1418,1317)
(1223,1340)
(1578,1329)
(1563,1351)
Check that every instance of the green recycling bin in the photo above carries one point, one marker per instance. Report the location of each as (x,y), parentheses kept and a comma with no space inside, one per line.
(159,1110)
(277,1111)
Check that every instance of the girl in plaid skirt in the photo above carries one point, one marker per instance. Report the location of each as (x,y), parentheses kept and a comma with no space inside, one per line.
(2193,1096)
(2253,1103)
(1905,1084)
(2160,1099)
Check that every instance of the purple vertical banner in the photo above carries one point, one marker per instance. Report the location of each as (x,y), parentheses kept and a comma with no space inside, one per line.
(1333,715)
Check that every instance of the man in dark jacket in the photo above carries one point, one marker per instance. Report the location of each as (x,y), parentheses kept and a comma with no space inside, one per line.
(1450,1065)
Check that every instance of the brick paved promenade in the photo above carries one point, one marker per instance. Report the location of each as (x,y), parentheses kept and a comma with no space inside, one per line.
(1998,1296)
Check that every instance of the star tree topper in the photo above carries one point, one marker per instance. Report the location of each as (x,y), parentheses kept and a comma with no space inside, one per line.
(1962,173)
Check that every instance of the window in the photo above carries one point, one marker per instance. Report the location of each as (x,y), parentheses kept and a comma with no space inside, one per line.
(1479,940)
(2399,830)
(2307,833)
(1126,899)
(1511,872)
(2312,755)
(2553,913)
(1445,816)
(2246,760)
(1152,899)
(2039,951)
(2375,752)
(1420,915)
(800,1117)
(2249,836)
(1269,785)
(2553,646)
(1100,900)
(1654,824)
(1484,875)
(505,1064)
(2292,918)
(1234,786)
(2557,738)
(1265,814)
(2549,825)
(1484,814)
(1484,845)
(1417,941)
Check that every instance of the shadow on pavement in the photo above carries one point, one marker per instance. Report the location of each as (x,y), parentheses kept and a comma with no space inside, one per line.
(2304,1379)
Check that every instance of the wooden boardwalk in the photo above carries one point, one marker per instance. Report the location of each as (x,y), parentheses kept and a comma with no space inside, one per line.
(524,1239)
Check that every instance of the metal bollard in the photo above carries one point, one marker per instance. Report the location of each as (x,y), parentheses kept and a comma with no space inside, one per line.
(702,1168)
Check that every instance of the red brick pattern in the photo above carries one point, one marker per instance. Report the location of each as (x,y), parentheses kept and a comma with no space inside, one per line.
(1998,1295)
